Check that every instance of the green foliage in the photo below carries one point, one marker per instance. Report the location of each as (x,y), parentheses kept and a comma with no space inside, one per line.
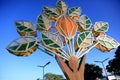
(117,53)
(50,76)
(114,64)
(92,72)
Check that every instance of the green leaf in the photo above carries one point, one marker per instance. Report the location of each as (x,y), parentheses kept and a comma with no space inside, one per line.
(50,11)
(85,39)
(23,46)
(31,44)
(61,5)
(49,42)
(55,46)
(13,47)
(24,27)
(85,22)
(75,11)
(43,22)
(101,26)
(107,41)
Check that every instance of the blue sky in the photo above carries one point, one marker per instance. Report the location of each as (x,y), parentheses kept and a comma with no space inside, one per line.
(17,68)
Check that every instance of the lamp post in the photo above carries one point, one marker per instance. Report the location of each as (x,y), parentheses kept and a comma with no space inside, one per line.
(44,67)
(103,66)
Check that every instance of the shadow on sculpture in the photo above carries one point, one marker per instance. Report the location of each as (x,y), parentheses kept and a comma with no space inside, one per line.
(65,35)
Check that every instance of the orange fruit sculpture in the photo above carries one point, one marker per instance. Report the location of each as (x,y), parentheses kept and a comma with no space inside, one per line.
(66,26)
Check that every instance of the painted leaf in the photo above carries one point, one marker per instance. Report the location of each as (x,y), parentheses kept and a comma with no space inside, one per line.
(106,42)
(74,12)
(61,7)
(84,23)
(25,27)
(50,12)
(50,42)
(85,39)
(101,27)
(43,22)
(23,46)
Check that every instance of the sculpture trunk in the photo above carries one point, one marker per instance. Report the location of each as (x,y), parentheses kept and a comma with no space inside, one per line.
(72,69)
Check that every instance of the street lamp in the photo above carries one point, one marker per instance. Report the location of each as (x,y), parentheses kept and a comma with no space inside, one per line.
(44,67)
(103,66)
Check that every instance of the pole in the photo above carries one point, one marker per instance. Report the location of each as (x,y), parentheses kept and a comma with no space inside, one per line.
(103,66)
(43,73)
(44,67)
(104,69)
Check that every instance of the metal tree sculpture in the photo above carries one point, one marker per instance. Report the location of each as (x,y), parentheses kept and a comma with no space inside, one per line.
(64,33)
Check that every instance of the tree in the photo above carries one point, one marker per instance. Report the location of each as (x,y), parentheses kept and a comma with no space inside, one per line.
(92,72)
(114,65)
(117,53)
(50,76)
